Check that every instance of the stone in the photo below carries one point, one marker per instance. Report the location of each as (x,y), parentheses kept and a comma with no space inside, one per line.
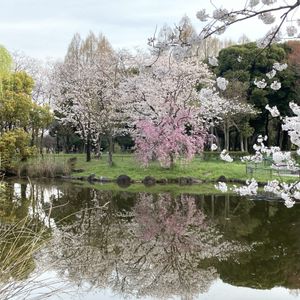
(124,181)
(222,178)
(91,177)
(162,181)
(149,180)
(185,180)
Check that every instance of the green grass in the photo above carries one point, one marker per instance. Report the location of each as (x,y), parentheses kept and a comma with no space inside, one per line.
(127,164)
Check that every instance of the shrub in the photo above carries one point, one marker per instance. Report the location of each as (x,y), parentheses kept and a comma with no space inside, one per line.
(14,147)
(215,155)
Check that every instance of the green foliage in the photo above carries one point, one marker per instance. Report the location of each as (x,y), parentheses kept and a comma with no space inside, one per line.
(247,62)
(215,155)
(14,146)
(246,130)
(40,116)
(20,117)
(5,60)
(15,100)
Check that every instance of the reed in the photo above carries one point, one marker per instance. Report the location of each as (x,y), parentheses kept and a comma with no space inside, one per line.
(44,167)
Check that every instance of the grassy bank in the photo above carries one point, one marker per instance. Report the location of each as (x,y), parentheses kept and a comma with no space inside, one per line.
(174,189)
(126,164)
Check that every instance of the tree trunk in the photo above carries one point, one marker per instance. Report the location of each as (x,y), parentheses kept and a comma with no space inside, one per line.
(267,130)
(99,147)
(41,142)
(242,143)
(67,145)
(226,136)
(32,138)
(217,138)
(225,139)
(236,141)
(172,163)
(57,144)
(278,138)
(110,150)
(246,144)
(285,141)
(88,147)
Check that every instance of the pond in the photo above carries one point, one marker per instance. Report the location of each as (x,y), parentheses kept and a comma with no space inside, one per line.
(62,240)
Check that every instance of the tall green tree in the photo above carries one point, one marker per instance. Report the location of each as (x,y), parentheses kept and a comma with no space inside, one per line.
(20,117)
(5,60)
(246,63)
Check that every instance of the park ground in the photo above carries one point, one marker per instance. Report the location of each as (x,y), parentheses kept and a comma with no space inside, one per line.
(126,164)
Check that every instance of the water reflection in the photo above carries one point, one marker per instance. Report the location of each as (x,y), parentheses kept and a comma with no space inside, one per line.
(156,245)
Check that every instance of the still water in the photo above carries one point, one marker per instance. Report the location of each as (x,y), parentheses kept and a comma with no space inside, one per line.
(63,240)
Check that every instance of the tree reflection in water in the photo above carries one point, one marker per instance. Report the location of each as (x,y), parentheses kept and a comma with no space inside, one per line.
(158,249)
(141,244)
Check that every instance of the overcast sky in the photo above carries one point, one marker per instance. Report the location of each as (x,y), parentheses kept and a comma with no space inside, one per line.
(44,28)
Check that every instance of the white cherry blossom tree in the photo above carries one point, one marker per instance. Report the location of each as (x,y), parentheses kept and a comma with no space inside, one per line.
(161,105)
(86,88)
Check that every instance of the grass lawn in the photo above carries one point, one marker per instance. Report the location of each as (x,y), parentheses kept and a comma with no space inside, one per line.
(127,164)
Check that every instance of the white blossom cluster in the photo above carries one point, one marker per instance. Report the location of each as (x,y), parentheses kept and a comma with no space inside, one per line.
(279,67)
(222,83)
(253,3)
(249,189)
(272,36)
(220,18)
(261,84)
(291,30)
(279,157)
(213,61)
(283,160)
(220,13)
(288,192)
(275,85)
(273,110)
(259,151)
(292,125)
(267,18)
(224,155)
(221,186)
(268,2)
(213,147)
(214,109)
(271,74)
(202,15)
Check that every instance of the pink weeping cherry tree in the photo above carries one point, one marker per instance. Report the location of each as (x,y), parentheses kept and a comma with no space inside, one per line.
(162,104)
(169,137)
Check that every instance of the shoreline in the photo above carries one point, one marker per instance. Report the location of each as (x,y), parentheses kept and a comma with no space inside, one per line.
(123,180)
